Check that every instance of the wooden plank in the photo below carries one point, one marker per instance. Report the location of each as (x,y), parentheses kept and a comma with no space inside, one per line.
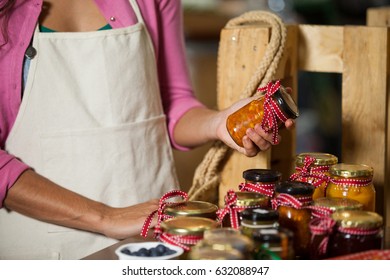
(320,48)
(241,50)
(378,16)
(365,103)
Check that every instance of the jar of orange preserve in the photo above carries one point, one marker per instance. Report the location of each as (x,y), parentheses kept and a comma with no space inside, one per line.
(270,110)
(352,181)
(314,169)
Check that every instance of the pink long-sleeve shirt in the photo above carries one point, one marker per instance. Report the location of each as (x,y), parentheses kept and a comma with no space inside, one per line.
(163,19)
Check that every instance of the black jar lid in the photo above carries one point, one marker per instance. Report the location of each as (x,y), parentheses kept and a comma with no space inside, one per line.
(286,103)
(259,214)
(261,175)
(294,188)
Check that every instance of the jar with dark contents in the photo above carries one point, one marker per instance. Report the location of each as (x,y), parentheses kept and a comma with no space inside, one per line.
(291,201)
(261,181)
(252,113)
(236,202)
(313,168)
(192,209)
(353,181)
(273,244)
(185,231)
(256,219)
(356,231)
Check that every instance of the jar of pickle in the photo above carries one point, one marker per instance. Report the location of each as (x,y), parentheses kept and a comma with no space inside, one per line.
(236,202)
(352,181)
(273,244)
(192,209)
(261,181)
(314,169)
(256,219)
(276,104)
(356,231)
(184,231)
(291,201)
(226,239)
(325,206)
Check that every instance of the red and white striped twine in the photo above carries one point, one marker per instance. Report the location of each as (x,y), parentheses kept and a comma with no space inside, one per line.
(272,111)
(322,226)
(352,182)
(163,203)
(264,189)
(285,199)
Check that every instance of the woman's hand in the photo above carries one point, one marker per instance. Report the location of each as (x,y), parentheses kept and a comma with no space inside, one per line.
(121,223)
(255,140)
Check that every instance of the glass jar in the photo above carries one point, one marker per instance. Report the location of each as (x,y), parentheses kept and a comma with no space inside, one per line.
(252,113)
(356,231)
(313,168)
(261,181)
(192,209)
(236,202)
(352,181)
(226,239)
(273,244)
(325,206)
(291,201)
(185,231)
(205,252)
(257,219)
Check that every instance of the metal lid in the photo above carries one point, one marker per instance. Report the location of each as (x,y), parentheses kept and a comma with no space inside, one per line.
(294,188)
(357,219)
(251,199)
(338,203)
(261,175)
(351,170)
(286,103)
(192,208)
(188,225)
(258,215)
(321,158)
(209,253)
(217,232)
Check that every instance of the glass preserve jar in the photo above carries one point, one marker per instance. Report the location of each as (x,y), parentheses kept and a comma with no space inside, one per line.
(252,113)
(227,239)
(236,202)
(314,169)
(356,231)
(273,244)
(205,252)
(192,209)
(325,206)
(352,181)
(256,219)
(185,232)
(291,200)
(261,181)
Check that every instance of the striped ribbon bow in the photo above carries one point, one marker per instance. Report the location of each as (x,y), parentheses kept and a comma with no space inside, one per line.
(232,209)
(322,226)
(179,240)
(163,203)
(285,199)
(307,171)
(272,111)
(264,189)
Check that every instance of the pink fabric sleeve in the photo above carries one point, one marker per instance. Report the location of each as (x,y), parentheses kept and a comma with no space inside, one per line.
(10,170)
(175,85)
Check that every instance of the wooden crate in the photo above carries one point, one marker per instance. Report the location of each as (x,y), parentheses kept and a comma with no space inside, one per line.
(359,53)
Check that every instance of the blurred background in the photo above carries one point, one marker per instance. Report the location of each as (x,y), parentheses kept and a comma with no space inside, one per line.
(319,94)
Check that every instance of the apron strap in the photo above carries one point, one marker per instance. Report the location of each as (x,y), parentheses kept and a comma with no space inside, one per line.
(137,11)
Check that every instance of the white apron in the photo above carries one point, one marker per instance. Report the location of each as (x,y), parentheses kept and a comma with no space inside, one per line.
(92,121)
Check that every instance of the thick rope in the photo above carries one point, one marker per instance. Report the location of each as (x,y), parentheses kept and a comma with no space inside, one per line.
(206,178)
